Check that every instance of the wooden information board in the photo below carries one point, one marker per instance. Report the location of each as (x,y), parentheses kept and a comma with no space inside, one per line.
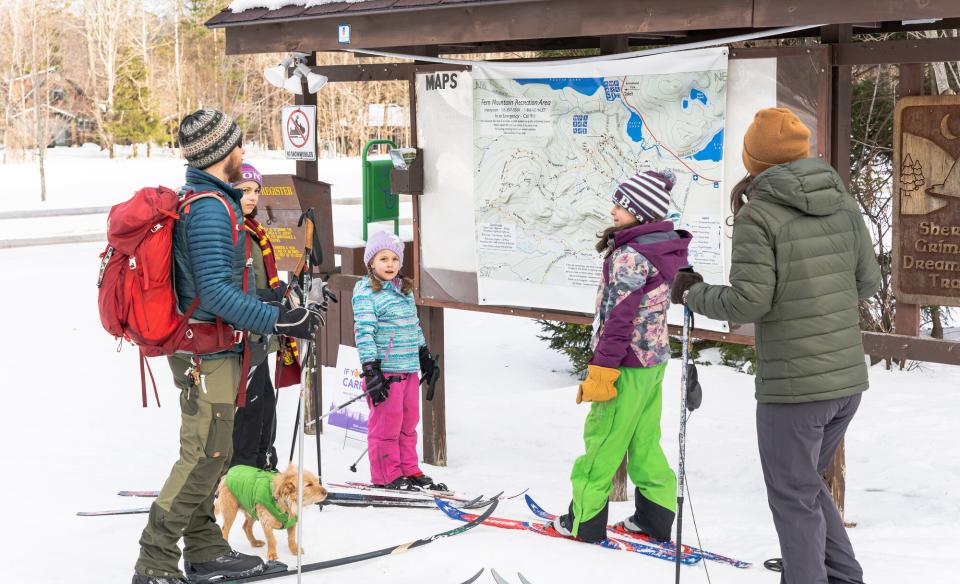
(283,199)
(926,195)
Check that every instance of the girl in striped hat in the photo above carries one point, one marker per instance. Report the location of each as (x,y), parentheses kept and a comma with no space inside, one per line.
(642,253)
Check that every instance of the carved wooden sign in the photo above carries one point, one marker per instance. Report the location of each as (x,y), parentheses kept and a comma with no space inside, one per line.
(926,200)
(283,198)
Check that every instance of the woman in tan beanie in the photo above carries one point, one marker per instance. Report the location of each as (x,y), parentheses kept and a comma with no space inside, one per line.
(802,261)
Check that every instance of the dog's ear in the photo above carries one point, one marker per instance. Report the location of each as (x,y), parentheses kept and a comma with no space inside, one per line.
(288,486)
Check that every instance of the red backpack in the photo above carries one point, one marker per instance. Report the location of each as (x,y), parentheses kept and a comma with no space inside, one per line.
(137,296)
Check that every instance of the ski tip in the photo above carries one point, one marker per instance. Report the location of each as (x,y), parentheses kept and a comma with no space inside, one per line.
(497,577)
(522,579)
(447,508)
(537,509)
(475,577)
(518,494)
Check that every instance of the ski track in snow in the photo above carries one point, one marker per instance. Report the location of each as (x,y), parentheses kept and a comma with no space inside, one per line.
(512,423)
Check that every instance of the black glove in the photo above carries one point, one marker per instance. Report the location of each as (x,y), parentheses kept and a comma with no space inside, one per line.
(682,282)
(300,322)
(694,392)
(377,386)
(429,370)
(273,294)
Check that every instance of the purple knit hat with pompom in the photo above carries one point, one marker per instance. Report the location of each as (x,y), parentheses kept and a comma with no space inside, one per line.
(380,241)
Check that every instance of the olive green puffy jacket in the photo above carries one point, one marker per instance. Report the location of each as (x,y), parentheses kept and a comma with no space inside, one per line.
(802,258)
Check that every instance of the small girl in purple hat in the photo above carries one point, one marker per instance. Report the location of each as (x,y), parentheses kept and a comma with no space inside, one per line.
(392,350)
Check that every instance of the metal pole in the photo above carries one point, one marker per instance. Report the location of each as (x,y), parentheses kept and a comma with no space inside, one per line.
(681,470)
(301,430)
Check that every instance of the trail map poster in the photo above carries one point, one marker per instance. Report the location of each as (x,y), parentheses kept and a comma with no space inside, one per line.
(550,145)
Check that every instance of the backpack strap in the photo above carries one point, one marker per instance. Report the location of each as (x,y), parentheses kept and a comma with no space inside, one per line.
(144,364)
(191,196)
(188,198)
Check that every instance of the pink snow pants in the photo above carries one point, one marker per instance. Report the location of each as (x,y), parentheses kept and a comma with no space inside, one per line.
(392,430)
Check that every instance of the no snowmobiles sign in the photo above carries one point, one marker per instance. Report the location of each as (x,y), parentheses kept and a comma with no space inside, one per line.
(299,132)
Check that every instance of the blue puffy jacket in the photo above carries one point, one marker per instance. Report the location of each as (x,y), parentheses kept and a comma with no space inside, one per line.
(209,265)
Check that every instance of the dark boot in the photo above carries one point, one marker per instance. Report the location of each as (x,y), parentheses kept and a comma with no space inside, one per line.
(141,579)
(591,530)
(232,564)
(424,482)
(399,484)
(650,519)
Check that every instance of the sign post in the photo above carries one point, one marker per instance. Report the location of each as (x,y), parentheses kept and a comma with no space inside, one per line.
(926,195)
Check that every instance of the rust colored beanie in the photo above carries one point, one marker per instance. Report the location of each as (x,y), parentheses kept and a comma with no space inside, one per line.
(776,136)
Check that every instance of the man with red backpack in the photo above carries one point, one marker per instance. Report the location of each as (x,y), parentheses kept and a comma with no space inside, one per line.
(210,264)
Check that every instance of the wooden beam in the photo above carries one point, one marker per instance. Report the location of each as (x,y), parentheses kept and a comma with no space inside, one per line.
(906,319)
(308,170)
(841,90)
(793,12)
(470,22)
(902,51)
(434,416)
(379,71)
(912,348)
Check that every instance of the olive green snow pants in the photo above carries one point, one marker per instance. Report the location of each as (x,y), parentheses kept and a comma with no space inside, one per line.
(184,508)
(628,424)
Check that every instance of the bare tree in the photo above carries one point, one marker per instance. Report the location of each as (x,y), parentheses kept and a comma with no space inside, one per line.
(41,108)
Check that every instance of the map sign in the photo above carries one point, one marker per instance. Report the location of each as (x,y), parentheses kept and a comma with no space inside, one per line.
(551,145)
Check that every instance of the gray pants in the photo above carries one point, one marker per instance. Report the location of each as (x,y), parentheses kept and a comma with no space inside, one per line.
(797,443)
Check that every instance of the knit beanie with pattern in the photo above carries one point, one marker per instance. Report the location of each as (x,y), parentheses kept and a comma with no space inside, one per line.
(249,173)
(207,136)
(776,136)
(646,195)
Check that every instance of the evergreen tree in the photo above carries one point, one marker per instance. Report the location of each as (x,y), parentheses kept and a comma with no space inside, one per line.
(573,340)
(134,120)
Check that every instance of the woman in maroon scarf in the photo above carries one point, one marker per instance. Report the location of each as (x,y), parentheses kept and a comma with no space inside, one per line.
(255,426)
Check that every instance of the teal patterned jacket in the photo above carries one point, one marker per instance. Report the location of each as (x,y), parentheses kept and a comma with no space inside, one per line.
(386,327)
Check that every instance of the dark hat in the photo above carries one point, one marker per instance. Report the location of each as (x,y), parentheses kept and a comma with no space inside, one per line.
(646,195)
(207,136)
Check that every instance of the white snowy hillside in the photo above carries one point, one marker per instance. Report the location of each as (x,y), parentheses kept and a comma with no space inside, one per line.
(75,434)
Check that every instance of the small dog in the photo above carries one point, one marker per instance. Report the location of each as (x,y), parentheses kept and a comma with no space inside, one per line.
(282,487)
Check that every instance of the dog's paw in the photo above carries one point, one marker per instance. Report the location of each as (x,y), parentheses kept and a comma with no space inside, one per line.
(293,550)
(258,543)
(272,556)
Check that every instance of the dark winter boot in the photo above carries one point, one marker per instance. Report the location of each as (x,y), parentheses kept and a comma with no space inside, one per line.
(649,519)
(141,579)
(399,484)
(232,564)
(424,482)
(592,530)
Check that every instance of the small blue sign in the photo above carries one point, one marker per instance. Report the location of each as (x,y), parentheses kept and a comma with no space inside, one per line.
(343,34)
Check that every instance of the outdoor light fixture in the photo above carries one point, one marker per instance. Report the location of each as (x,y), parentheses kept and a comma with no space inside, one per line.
(277,75)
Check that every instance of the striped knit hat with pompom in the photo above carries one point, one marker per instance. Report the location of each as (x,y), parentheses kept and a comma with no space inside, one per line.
(646,195)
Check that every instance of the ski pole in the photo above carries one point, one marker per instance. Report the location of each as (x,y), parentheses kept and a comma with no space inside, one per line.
(336,409)
(353,467)
(681,470)
(301,430)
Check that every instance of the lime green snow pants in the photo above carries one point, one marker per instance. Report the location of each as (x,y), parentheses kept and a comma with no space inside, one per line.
(628,424)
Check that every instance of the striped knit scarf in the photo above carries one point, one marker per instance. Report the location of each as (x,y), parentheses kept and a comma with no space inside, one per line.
(288,363)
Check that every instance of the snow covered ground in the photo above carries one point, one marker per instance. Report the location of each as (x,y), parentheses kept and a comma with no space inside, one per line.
(86,177)
(76,434)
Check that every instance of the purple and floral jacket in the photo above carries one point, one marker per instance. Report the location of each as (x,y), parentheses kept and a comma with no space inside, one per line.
(630,327)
